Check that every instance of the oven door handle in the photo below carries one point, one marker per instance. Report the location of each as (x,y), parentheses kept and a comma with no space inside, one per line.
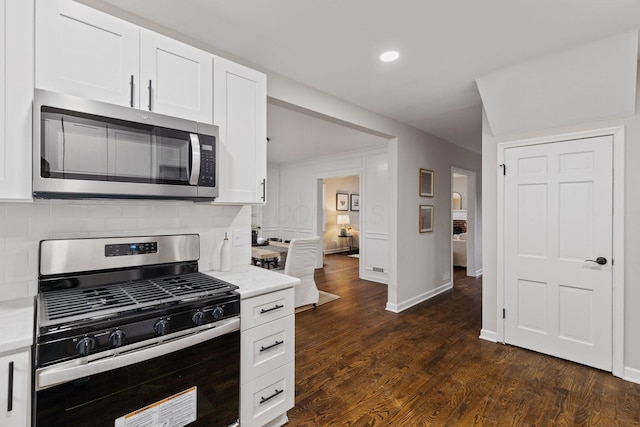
(127,355)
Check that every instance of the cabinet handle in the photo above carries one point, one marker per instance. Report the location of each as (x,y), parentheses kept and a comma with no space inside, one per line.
(264,189)
(150,95)
(10,391)
(264,399)
(271,309)
(277,343)
(131,94)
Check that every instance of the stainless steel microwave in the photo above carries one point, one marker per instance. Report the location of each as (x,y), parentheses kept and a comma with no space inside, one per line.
(90,149)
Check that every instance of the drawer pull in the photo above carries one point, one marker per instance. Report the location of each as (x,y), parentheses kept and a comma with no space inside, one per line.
(277,343)
(277,307)
(264,399)
(10,391)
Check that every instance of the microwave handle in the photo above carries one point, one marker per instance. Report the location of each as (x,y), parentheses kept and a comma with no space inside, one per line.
(194,145)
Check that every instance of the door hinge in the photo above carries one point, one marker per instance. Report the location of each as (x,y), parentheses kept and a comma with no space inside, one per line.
(504,313)
(504,169)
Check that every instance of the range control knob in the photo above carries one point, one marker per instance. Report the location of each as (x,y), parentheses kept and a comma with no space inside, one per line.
(218,313)
(85,345)
(116,338)
(197,318)
(161,327)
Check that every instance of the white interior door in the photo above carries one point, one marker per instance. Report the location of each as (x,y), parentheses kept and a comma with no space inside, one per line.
(558,215)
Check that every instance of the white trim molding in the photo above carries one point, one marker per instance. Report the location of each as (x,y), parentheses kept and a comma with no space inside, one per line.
(618,313)
(632,375)
(488,335)
(397,308)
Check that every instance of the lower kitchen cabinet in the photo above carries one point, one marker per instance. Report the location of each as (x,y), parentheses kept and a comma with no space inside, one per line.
(267,369)
(267,397)
(15,397)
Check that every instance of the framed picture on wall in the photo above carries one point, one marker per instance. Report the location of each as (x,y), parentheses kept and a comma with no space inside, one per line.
(342,202)
(355,202)
(426,183)
(426,218)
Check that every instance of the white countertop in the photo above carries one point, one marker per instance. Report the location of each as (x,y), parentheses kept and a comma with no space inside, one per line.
(254,281)
(16,318)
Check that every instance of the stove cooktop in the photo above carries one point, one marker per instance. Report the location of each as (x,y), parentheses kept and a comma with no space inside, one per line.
(71,305)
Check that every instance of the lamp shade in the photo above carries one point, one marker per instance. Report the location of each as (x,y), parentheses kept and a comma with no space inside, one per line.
(343,219)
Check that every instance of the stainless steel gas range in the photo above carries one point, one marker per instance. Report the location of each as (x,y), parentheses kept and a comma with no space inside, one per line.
(130,333)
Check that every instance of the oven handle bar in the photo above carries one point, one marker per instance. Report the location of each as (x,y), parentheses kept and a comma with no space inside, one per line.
(78,368)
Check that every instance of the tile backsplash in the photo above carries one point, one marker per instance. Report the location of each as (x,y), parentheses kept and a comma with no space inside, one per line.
(23,225)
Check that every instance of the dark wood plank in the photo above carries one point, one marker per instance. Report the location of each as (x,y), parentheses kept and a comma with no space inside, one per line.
(360,365)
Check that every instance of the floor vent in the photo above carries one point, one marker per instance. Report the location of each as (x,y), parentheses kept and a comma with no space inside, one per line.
(378,269)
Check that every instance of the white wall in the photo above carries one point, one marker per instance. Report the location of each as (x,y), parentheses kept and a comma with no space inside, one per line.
(631,212)
(299,209)
(23,225)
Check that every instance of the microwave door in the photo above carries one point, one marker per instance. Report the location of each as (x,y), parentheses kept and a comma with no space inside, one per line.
(130,155)
(73,148)
(170,161)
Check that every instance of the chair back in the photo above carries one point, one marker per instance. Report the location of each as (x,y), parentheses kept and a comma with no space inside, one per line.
(301,263)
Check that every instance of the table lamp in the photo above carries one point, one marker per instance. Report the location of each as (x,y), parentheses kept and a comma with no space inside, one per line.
(343,220)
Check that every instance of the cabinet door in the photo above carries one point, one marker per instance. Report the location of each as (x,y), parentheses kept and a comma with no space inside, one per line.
(240,110)
(179,77)
(84,52)
(15,399)
(16,95)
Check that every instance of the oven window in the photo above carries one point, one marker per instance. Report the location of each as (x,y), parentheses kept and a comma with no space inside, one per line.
(96,401)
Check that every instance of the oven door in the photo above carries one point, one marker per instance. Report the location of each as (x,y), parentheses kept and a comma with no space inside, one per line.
(198,385)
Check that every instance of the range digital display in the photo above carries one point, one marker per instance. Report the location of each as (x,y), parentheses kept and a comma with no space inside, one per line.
(124,249)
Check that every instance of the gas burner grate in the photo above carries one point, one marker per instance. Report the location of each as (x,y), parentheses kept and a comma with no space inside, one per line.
(69,305)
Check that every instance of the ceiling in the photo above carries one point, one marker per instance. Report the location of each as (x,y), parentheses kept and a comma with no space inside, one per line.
(333,45)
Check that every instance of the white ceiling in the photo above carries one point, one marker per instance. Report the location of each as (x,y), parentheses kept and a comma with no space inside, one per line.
(333,45)
(294,136)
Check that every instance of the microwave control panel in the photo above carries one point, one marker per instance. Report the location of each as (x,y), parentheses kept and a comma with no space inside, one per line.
(207,163)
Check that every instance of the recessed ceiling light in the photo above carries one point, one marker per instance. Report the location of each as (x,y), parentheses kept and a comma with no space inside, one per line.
(389,56)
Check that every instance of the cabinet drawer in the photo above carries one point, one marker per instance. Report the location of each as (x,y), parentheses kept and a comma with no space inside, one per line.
(267,347)
(265,308)
(267,397)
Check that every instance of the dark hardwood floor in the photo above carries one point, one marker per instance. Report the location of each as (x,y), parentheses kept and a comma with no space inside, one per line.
(359,365)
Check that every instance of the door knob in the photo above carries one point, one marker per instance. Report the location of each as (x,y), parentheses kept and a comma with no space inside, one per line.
(600,260)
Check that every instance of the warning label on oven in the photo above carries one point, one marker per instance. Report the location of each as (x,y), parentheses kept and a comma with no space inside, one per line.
(174,411)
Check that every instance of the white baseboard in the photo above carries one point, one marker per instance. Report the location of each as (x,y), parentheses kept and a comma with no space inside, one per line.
(488,335)
(632,375)
(397,308)
(337,250)
(375,277)
(479,273)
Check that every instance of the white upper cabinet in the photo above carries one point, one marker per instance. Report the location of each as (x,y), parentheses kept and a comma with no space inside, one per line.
(240,110)
(84,52)
(16,95)
(175,78)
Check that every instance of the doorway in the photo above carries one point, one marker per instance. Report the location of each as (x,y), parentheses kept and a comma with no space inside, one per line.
(341,215)
(463,221)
